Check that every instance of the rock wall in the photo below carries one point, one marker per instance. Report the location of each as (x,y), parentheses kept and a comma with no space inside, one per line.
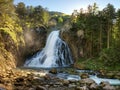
(34,41)
(75,41)
(8,51)
(12,54)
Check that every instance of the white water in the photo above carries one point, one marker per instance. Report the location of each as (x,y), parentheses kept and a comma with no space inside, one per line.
(94,77)
(55,54)
(99,80)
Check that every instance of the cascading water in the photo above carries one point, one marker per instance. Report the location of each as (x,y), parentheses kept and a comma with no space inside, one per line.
(55,54)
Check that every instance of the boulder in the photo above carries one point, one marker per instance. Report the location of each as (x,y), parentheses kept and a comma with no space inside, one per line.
(84,76)
(2,87)
(40,88)
(93,86)
(53,71)
(106,86)
(104,83)
(65,82)
(87,81)
(82,88)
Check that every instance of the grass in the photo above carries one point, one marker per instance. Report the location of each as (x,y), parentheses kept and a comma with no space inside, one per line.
(95,64)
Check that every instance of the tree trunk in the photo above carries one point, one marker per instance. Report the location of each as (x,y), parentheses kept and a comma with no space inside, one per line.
(108,37)
(100,39)
(91,40)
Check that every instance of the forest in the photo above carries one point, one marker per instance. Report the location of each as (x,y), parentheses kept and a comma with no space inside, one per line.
(101,28)
(93,35)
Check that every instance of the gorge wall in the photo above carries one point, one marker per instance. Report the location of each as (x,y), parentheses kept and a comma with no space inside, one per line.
(13,53)
(75,41)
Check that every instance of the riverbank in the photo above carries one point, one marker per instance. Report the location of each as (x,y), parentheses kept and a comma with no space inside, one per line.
(29,79)
(99,66)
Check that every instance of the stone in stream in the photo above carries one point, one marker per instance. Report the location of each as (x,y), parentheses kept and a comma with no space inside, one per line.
(66,82)
(40,88)
(86,81)
(2,87)
(93,86)
(53,71)
(106,86)
(84,75)
(82,88)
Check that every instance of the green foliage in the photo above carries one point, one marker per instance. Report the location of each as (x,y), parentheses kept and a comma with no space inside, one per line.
(32,17)
(9,22)
(111,56)
(60,20)
(21,10)
(95,64)
(11,33)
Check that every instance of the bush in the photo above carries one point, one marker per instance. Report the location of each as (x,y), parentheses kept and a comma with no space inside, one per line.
(110,56)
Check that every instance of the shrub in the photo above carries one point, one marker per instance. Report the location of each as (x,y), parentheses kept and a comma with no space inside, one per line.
(110,56)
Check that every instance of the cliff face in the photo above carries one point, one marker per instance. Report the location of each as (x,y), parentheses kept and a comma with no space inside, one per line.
(8,51)
(34,41)
(75,42)
(13,54)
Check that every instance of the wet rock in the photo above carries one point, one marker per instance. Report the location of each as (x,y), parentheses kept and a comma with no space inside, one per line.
(31,89)
(117,75)
(65,82)
(40,88)
(93,86)
(20,79)
(84,75)
(72,85)
(53,71)
(104,83)
(86,81)
(106,86)
(81,88)
(72,81)
(2,87)
(110,75)
(47,77)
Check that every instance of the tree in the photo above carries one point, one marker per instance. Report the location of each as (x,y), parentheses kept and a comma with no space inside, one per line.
(46,17)
(109,14)
(21,10)
(116,30)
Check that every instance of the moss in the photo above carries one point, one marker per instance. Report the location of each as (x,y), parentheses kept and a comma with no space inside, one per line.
(15,36)
(11,33)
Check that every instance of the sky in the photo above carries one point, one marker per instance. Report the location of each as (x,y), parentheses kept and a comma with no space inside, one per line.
(67,6)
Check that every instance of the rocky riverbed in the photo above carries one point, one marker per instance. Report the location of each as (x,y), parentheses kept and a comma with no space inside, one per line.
(28,79)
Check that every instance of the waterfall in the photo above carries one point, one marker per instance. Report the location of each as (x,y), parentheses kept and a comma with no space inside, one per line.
(55,54)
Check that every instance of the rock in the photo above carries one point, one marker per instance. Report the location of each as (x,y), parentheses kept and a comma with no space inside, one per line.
(72,81)
(72,86)
(47,77)
(108,87)
(31,89)
(110,75)
(93,86)
(40,88)
(87,81)
(20,79)
(81,88)
(104,83)
(117,75)
(2,87)
(53,71)
(65,82)
(84,76)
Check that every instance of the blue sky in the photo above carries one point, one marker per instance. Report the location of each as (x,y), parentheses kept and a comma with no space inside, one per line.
(67,6)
